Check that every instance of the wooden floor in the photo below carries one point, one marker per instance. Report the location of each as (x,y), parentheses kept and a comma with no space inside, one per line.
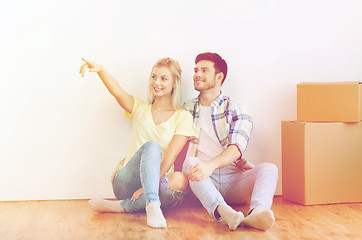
(74,220)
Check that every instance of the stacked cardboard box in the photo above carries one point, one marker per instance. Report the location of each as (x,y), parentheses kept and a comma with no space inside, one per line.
(322,150)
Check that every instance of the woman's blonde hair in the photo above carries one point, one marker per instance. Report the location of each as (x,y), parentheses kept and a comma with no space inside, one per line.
(175,69)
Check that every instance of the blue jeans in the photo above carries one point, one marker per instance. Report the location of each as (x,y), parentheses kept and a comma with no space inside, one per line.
(143,171)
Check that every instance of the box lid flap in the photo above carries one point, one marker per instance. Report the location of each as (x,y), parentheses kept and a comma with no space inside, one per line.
(329,83)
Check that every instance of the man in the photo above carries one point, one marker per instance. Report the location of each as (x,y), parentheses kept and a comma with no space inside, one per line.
(217,172)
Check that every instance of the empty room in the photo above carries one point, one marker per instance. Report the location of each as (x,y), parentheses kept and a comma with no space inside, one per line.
(205,119)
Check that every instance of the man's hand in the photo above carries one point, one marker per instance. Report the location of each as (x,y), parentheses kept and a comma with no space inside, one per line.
(200,171)
(137,194)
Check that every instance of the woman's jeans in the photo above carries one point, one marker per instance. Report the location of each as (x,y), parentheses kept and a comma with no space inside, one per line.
(143,171)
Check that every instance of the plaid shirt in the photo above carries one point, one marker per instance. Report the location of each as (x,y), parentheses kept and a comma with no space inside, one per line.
(231,123)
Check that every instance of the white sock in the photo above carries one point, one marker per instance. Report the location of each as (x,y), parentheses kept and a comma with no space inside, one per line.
(102,205)
(260,218)
(230,216)
(155,218)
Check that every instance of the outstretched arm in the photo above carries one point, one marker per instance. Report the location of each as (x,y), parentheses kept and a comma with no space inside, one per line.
(125,100)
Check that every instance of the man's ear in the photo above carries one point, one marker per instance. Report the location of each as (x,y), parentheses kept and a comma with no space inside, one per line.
(220,76)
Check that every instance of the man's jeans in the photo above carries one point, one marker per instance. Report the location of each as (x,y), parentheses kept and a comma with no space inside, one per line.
(235,186)
(143,171)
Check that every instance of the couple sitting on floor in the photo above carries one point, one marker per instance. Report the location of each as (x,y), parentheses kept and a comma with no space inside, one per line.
(214,168)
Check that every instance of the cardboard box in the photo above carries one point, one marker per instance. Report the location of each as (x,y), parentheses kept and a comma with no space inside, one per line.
(329,102)
(322,162)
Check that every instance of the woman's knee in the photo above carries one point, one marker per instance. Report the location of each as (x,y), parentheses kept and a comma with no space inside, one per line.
(152,146)
(178,181)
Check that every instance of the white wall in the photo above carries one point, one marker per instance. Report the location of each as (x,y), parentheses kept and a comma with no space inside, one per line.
(61,135)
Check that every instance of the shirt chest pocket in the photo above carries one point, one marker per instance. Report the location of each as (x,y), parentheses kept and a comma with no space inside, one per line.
(226,130)
(223,129)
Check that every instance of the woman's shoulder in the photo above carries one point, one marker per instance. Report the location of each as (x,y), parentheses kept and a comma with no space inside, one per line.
(138,105)
(183,114)
(182,110)
(139,100)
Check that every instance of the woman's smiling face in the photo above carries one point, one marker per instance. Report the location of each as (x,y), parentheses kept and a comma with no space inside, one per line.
(161,81)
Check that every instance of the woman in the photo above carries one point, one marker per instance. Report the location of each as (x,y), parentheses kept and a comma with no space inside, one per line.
(161,127)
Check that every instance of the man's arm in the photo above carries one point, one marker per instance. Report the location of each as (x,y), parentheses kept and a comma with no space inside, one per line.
(203,170)
(238,138)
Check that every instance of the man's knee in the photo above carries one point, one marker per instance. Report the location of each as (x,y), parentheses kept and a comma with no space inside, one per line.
(178,181)
(269,168)
(188,163)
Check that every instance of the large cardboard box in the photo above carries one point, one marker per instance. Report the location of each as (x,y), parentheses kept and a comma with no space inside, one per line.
(329,102)
(322,162)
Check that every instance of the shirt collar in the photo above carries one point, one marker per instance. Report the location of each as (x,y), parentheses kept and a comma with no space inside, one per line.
(217,102)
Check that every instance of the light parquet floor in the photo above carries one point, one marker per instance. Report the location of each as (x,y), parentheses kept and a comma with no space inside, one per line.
(74,220)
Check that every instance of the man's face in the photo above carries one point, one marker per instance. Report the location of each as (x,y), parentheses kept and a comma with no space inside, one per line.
(204,76)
